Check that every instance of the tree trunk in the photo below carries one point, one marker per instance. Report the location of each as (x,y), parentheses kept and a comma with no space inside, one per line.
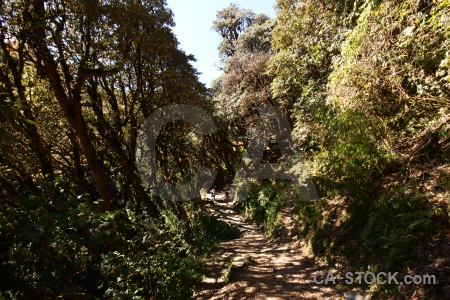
(70,102)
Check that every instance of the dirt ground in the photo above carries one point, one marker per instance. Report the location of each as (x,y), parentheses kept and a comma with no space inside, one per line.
(261,269)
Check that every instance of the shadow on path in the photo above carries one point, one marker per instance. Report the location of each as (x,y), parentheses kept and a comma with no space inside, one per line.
(263,270)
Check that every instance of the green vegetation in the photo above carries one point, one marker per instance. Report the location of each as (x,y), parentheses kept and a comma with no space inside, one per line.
(77,79)
(264,203)
(365,86)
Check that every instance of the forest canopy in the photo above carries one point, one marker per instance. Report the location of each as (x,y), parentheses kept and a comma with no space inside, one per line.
(364,84)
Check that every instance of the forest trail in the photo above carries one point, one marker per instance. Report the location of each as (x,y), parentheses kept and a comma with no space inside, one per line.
(261,269)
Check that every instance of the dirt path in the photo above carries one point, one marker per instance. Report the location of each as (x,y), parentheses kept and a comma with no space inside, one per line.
(261,269)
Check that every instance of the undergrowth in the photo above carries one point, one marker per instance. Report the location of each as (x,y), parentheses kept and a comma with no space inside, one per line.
(264,203)
(66,249)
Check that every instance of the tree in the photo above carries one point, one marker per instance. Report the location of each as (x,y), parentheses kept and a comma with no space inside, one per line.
(107,73)
(244,86)
(77,79)
(230,23)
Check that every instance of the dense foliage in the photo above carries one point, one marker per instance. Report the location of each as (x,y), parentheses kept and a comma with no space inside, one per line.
(77,79)
(366,85)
